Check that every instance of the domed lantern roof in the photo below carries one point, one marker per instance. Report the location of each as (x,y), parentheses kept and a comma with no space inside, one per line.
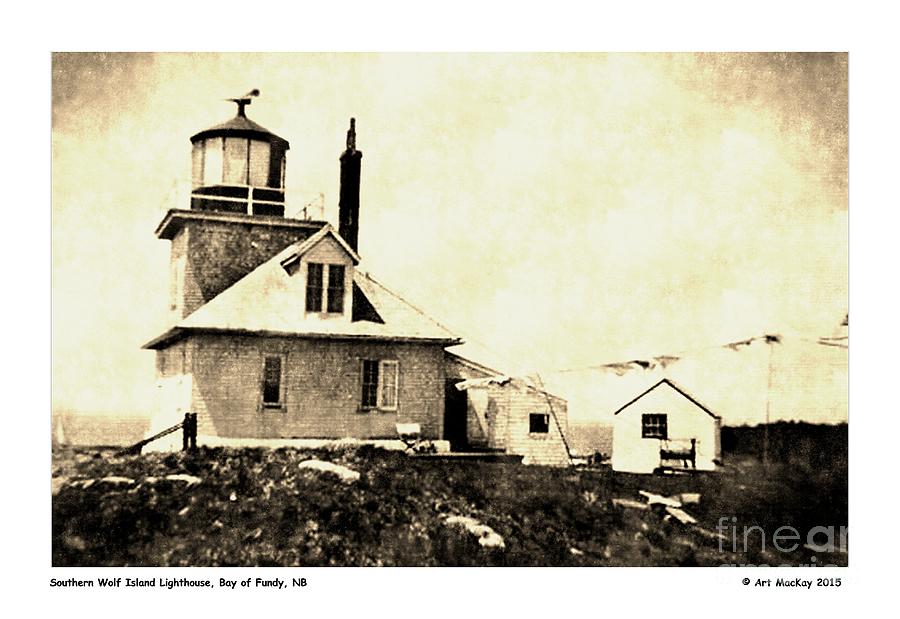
(239,166)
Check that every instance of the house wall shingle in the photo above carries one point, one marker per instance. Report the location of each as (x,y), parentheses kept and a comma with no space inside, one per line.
(546,449)
(321,386)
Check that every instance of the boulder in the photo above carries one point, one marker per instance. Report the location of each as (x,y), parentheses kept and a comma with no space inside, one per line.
(346,475)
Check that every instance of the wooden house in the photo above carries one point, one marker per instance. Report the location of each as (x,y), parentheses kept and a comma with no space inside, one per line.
(276,334)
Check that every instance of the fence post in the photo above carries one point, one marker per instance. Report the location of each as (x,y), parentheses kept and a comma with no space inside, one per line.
(185,431)
(193,435)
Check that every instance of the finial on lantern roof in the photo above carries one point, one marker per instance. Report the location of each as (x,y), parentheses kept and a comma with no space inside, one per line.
(244,101)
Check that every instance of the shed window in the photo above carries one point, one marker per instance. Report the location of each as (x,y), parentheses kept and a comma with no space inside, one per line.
(272,378)
(380,384)
(654,426)
(313,287)
(335,288)
(539,423)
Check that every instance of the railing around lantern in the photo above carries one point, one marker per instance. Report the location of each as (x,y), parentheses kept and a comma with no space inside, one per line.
(239,199)
(247,199)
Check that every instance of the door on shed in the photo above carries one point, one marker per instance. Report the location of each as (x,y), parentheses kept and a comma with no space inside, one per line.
(455,412)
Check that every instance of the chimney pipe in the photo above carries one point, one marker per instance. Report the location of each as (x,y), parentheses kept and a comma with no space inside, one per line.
(348,206)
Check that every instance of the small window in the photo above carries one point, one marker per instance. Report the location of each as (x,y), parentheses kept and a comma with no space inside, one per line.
(380,384)
(369,383)
(654,426)
(313,287)
(539,423)
(335,289)
(272,378)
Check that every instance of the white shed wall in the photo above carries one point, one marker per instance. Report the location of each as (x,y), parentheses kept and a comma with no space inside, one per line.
(634,454)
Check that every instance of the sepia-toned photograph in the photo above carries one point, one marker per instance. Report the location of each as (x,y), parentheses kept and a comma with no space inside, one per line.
(449,309)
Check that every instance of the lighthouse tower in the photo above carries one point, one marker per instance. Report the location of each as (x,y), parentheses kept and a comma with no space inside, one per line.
(236,217)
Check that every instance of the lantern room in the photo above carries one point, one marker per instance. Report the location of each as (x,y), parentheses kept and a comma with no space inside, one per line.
(238,167)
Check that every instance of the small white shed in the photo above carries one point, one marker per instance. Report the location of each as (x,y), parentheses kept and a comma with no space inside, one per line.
(664,427)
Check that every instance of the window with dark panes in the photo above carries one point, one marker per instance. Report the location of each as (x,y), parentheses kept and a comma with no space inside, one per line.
(654,425)
(369,383)
(539,423)
(335,288)
(313,287)
(272,380)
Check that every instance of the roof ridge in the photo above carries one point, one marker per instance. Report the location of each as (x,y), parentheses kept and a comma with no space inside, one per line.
(676,388)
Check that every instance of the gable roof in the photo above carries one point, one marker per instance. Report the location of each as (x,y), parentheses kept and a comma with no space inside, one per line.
(676,388)
(270,301)
(296,251)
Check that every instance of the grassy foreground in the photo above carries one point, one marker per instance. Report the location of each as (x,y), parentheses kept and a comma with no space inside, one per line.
(257,507)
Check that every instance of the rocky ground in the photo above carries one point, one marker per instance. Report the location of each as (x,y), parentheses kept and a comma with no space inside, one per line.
(217,507)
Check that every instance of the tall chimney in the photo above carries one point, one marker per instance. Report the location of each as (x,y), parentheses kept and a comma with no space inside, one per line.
(348,206)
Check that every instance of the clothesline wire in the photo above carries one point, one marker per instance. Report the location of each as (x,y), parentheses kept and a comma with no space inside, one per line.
(666,359)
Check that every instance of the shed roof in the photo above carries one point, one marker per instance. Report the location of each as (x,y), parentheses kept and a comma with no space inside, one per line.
(269,301)
(495,377)
(676,388)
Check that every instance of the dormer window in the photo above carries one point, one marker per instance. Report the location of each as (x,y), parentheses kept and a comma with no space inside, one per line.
(325,288)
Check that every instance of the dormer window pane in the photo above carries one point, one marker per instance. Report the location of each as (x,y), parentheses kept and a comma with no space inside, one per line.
(314,287)
(212,162)
(335,288)
(235,171)
(259,163)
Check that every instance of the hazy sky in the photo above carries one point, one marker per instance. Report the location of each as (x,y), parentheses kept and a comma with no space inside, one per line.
(566,210)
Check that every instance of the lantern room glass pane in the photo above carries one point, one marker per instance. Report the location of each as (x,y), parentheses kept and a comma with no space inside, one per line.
(212,165)
(235,171)
(197,164)
(259,163)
